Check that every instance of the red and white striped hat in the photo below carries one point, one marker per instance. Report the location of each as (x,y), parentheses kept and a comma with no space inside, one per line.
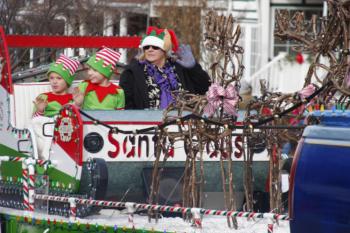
(70,64)
(104,61)
(65,67)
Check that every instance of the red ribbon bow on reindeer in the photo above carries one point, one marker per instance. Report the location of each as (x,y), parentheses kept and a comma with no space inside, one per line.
(218,96)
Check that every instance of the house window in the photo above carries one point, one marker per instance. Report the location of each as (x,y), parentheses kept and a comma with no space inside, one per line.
(286,46)
(249,40)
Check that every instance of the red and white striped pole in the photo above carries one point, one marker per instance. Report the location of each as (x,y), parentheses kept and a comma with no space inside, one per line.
(72,208)
(130,206)
(31,182)
(25,185)
(270,228)
(196,217)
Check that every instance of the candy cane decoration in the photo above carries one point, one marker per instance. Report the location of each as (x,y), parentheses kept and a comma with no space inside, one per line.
(43,163)
(130,206)
(16,159)
(171,209)
(196,217)
(100,203)
(31,180)
(51,198)
(269,228)
(197,213)
(72,208)
(25,185)
(40,162)
(161,208)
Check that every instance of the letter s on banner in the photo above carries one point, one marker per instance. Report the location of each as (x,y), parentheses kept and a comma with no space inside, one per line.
(113,154)
(239,147)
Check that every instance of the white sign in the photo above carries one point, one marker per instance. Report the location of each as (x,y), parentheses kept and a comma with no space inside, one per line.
(141,147)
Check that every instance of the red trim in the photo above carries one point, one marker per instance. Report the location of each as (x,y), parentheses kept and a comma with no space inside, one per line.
(135,123)
(101,91)
(30,41)
(71,147)
(125,122)
(75,111)
(36,114)
(33,84)
(61,99)
(6,83)
(46,83)
(292,176)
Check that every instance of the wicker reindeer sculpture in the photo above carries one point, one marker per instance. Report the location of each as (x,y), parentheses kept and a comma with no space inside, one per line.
(326,83)
(206,121)
(271,120)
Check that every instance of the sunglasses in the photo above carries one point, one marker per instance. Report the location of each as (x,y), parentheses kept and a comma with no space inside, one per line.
(150,46)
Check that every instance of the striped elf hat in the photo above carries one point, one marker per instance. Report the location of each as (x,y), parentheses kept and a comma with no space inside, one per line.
(65,67)
(104,61)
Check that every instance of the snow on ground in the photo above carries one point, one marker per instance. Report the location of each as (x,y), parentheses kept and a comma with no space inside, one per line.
(210,224)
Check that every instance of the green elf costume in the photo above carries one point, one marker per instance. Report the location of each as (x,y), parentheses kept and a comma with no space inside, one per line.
(100,97)
(66,68)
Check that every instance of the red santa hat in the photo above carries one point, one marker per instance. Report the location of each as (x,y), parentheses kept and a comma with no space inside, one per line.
(162,38)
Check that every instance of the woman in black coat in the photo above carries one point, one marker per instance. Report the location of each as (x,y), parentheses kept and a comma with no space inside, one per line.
(151,81)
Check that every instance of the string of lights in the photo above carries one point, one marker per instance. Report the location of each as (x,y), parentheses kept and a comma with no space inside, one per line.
(257,125)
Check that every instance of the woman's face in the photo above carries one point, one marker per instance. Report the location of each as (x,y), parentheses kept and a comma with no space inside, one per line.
(57,83)
(154,55)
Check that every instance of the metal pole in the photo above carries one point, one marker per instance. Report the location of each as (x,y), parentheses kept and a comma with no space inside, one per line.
(325,9)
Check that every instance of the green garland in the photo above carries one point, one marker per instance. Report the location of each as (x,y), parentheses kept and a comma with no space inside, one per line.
(20,224)
(292,58)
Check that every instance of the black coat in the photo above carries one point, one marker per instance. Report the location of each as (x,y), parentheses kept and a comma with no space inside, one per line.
(133,81)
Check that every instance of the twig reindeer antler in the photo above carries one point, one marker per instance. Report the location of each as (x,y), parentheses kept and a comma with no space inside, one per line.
(326,37)
(221,38)
(220,34)
(318,35)
(272,106)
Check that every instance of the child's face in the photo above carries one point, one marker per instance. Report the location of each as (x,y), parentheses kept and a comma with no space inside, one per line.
(58,84)
(95,77)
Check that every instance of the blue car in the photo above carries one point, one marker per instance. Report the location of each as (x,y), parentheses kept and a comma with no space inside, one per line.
(320,176)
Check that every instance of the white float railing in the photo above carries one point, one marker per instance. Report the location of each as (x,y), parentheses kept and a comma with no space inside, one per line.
(197,213)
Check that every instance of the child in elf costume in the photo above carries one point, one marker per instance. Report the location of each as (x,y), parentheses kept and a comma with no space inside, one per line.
(98,93)
(47,105)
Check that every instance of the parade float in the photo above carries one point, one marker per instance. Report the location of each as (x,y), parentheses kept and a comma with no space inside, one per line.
(96,153)
(92,181)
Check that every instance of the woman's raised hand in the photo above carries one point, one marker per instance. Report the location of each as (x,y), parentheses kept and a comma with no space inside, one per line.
(185,56)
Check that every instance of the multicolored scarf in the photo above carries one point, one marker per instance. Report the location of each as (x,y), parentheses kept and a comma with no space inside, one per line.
(165,78)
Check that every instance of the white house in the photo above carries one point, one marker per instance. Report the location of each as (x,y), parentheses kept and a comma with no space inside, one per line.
(256,18)
(262,56)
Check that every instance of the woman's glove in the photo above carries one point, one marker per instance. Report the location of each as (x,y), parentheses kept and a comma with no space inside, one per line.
(185,56)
